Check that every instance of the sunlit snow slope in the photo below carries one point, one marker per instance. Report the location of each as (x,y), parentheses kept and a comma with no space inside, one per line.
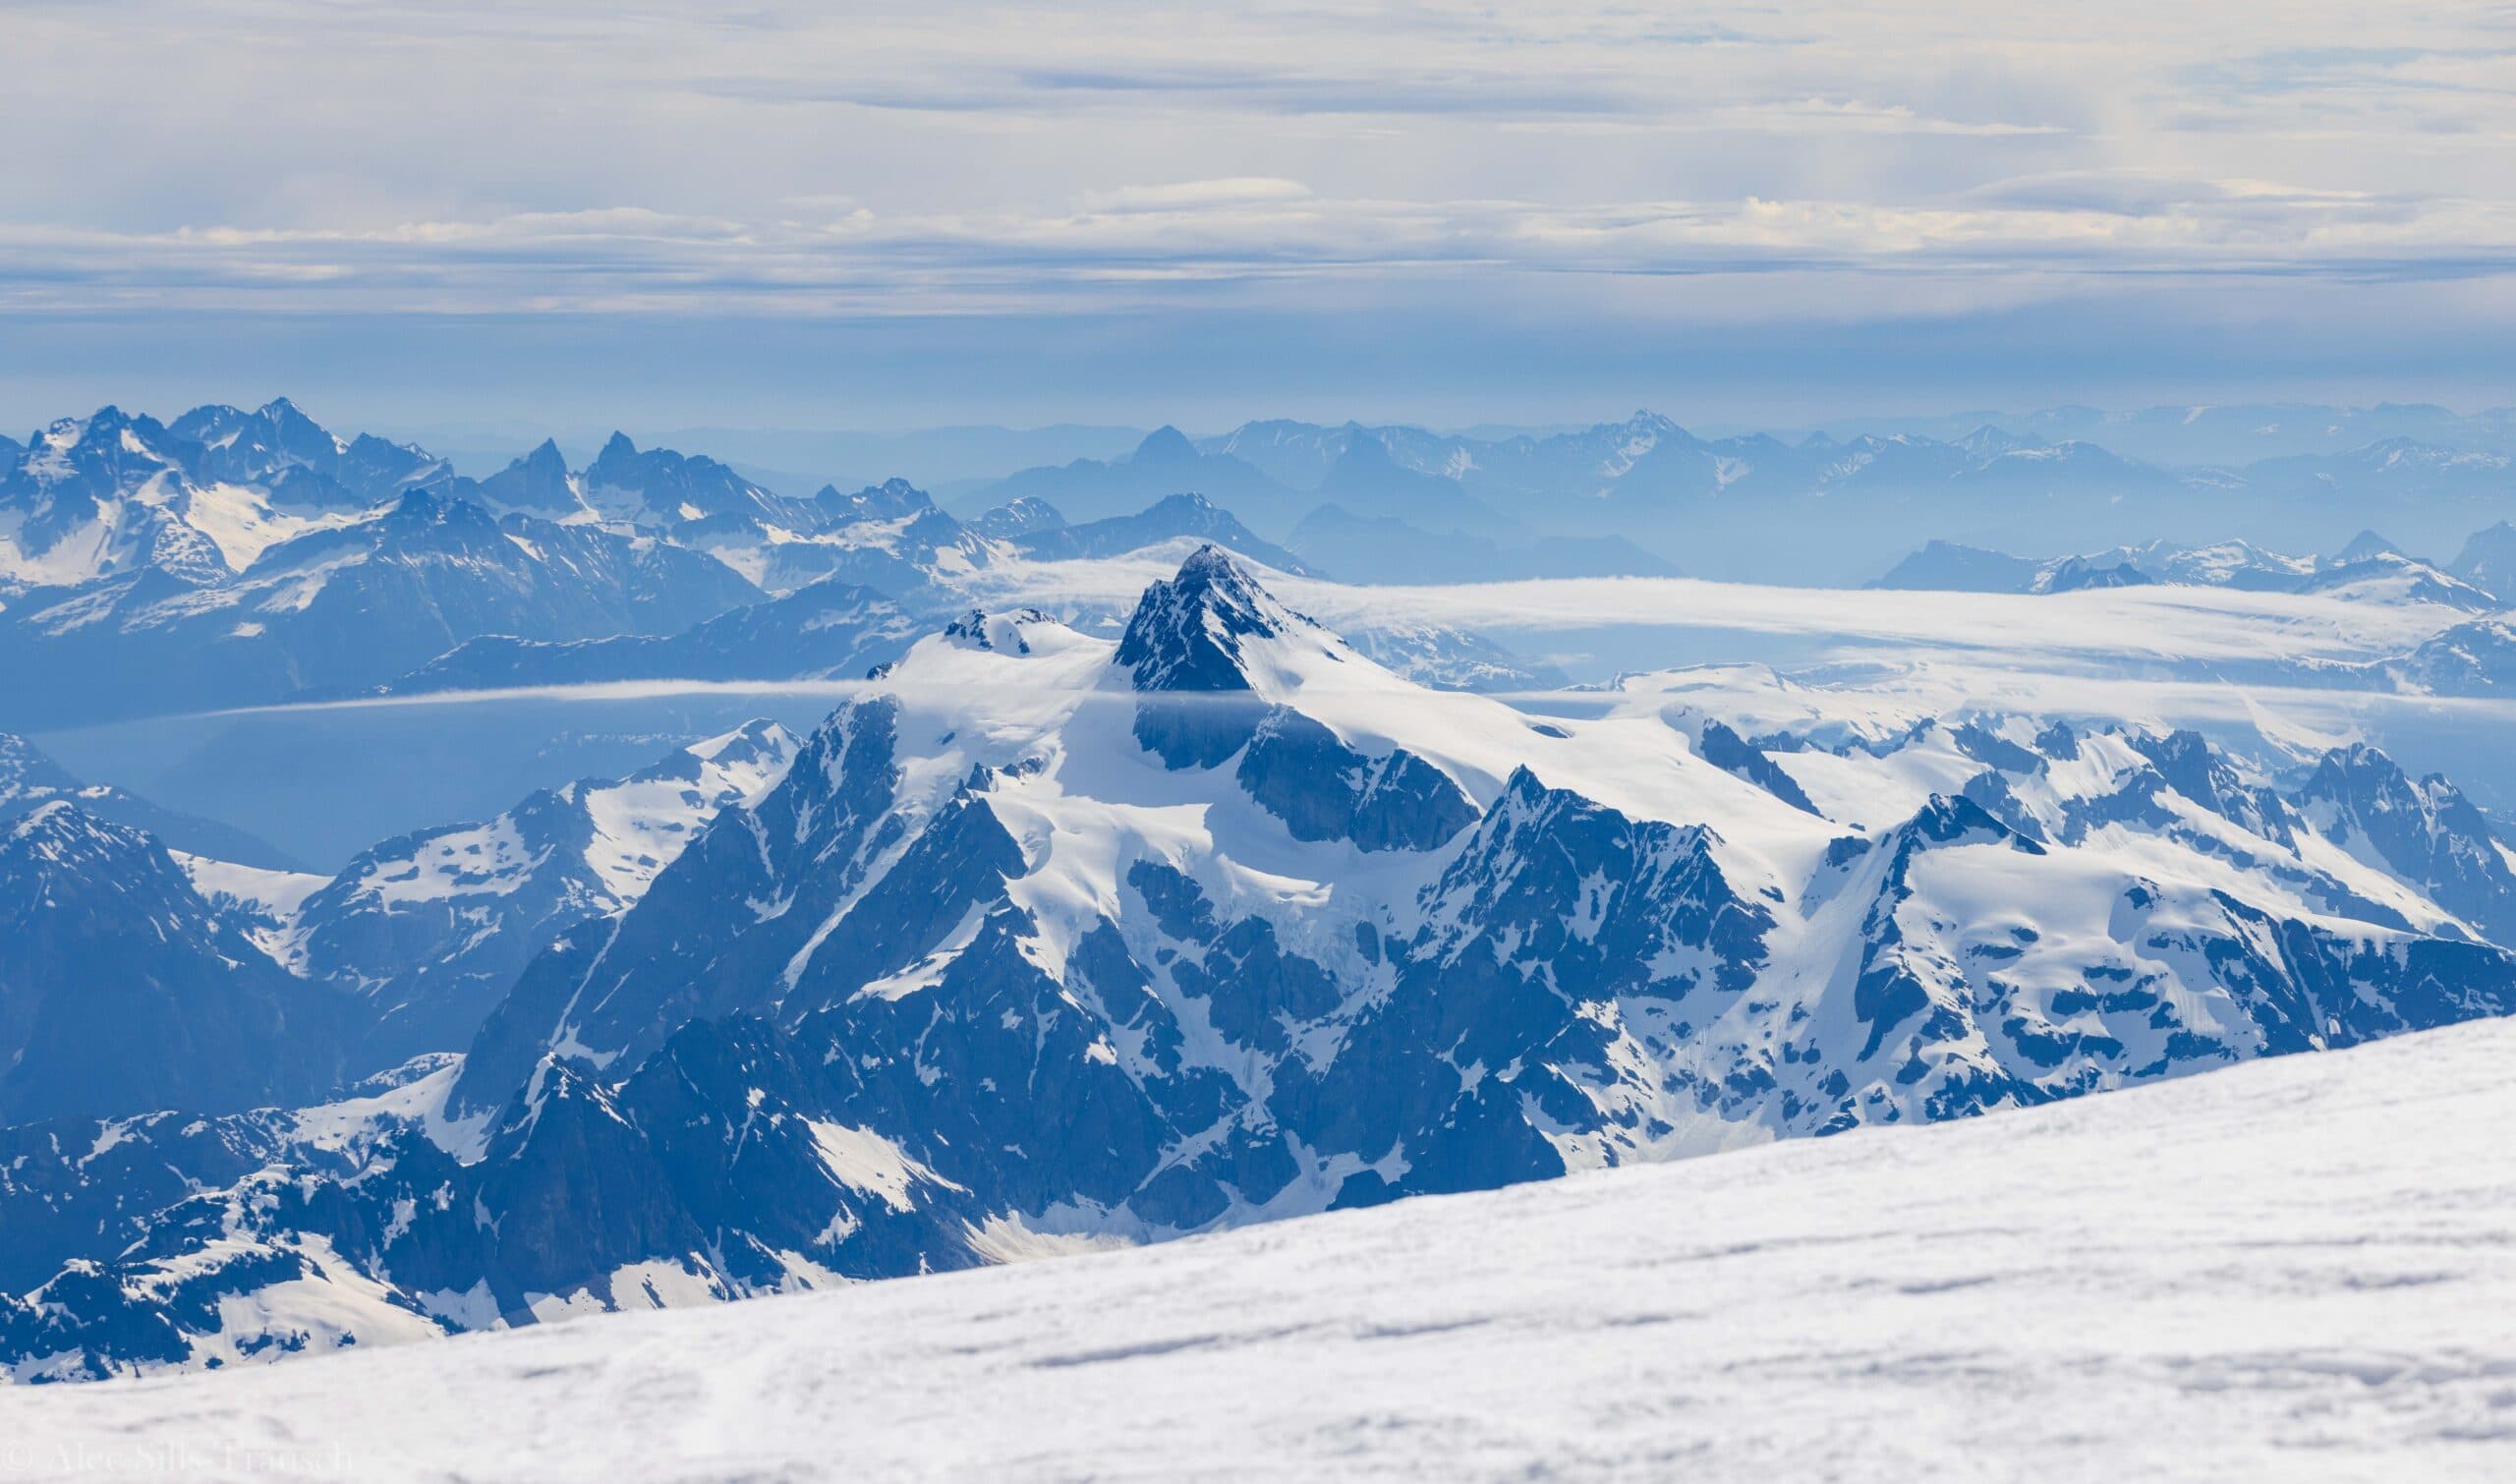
(2301,1268)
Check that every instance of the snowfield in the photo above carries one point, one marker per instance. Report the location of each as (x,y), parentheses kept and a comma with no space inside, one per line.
(2301,1268)
(2156,622)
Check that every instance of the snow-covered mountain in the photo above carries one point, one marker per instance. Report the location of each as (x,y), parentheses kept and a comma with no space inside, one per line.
(2293,1269)
(243,557)
(1648,459)
(2426,834)
(2383,455)
(2386,470)
(536,483)
(1053,940)
(2368,569)
(341,608)
(113,493)
(135,978)
(889,537)
(103,495)
(2070,478)
(2243,434)
(299,462)
(2476,659)
(2394,578)
(2488,559)
(1628,480)
(655,489)
(236,558)
(658,487)
(2472,659)
(427,932)
(122,990)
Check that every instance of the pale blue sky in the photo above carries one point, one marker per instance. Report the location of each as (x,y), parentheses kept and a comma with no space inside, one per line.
(885,214)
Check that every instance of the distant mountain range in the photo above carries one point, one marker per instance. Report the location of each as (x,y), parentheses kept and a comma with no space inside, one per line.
(1814,509)
(959,459)
(2367,567)
(211,491)
(234,558)
(2222,436)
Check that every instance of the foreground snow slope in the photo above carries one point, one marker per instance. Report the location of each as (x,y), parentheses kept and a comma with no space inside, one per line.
(2303,1266)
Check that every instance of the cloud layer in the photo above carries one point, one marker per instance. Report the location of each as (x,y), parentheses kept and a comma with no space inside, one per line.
(1849,158)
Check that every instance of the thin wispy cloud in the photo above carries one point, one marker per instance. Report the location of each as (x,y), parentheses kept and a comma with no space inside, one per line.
(647,158)
(1135,243)
(281,157)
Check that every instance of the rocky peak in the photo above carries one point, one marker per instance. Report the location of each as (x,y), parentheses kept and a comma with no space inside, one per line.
(539,480)
(1187,634)
(25,767)
(2426,832)
(295,434)
(979,629)
(1021,517)
(1955,820)
(1166,445)
(889,500)
(1189,638)
(2193,768)
(2366,546)
(58,838)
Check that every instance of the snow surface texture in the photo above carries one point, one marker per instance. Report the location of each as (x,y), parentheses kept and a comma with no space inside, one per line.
(2301,1268)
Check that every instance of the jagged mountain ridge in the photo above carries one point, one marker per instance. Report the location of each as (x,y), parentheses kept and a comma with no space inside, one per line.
(184,551)
(429,931)
(244,558)
(120,987)
(134,978)
(92,497)
(1059,940)
(342,607)
(2049,480)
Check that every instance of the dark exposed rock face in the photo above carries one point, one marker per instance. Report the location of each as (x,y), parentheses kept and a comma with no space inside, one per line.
(1325,790)
(121,993)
